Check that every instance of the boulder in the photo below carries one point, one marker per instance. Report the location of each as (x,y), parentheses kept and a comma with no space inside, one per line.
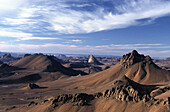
(33,86)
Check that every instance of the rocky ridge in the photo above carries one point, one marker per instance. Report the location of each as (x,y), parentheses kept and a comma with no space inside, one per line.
(45,63)
(128,90)
(134,57)
(8,58)
(124,90)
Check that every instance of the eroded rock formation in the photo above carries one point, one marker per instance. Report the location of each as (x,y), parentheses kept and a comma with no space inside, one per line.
(122,90)
(134,57)
(93,60)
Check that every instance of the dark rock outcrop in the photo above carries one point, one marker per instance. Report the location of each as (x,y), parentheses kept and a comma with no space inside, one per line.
(128,90)
(134,57)
(79,99)
(10,108)
(33,86)
(124,90)
(32,103)
(7,58)
(27,55)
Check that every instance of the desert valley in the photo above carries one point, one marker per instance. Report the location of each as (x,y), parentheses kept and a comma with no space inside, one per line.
(45,83)
(84,55)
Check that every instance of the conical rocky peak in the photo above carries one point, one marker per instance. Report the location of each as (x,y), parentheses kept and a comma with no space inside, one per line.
(93,60)
(132,58)
(6,56)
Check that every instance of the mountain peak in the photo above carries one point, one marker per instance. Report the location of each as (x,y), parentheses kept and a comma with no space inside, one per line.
(134,53)
(7,56)
(44,63)
(93,60)
(132,58)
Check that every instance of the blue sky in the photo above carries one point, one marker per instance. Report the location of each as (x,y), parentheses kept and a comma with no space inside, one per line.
(103,27)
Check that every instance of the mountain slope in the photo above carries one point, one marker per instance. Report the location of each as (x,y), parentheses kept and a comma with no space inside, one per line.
(142,69)
(137,67)
(44,63)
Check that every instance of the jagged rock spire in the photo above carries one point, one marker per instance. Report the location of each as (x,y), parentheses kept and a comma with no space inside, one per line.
(132,58)
(93,60)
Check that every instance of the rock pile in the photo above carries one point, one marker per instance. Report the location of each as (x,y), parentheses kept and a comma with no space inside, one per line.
(159,91)
(79,99)
(127,90)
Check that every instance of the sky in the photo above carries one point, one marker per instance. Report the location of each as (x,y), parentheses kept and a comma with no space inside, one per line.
(99,27)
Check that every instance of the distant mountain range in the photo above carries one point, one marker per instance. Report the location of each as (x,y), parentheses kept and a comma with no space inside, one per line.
(21,54)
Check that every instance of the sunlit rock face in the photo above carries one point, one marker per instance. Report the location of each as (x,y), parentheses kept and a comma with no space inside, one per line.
(134,57)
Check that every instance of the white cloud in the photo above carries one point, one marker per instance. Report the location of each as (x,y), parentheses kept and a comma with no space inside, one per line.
(10,7)
(46,48)
(60,17)
(77,40)
(70,21)
(14,22)
(132,46)
(21,35)
(82,5)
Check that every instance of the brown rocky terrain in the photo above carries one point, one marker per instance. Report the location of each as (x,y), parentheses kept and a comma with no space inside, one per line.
(91,65)
(135,84)
(123,92)
(163,63)
(8,58)
(36,67)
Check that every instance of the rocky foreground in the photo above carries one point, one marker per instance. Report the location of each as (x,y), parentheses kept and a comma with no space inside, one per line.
(122,91)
